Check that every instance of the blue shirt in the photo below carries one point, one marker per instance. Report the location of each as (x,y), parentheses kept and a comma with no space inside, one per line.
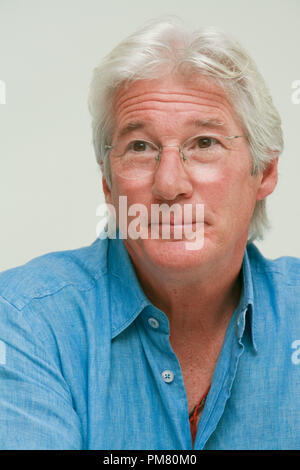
(86,361)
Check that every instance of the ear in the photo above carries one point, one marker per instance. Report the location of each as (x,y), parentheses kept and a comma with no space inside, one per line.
(269,177)
(106,190)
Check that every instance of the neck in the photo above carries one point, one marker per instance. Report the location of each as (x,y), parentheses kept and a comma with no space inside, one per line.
(201,303)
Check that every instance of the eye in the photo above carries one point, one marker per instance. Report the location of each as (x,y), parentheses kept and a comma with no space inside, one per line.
(138,146)
(204,142)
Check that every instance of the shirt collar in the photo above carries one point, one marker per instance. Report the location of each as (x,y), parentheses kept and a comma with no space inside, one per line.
(128,299)
(245,312)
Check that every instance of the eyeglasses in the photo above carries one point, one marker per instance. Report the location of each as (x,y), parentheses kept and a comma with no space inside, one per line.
(139,158)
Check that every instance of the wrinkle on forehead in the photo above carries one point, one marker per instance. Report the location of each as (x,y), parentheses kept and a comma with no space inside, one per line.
(168,88)
(169,94)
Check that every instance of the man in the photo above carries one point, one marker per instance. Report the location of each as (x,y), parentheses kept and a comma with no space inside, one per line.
(149,342)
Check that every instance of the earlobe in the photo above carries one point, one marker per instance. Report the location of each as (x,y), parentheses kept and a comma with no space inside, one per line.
(269,179)
(106,190)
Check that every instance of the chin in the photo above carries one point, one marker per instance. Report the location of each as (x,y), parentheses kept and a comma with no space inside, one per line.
(172,254)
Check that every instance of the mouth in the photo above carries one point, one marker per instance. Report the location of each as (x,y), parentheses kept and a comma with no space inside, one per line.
(174,227)
(177,224)
(175,231)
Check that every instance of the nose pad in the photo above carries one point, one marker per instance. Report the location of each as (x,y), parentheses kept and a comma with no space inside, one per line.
(172,158)
(171,179)
(181,154)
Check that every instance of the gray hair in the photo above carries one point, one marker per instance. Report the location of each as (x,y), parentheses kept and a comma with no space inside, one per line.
(166,45)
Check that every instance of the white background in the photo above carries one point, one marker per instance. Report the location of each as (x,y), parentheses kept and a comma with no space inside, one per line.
(50,185)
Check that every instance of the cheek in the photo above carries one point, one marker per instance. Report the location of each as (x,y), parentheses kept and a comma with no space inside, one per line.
(136,192)
(214,186)
(227,189)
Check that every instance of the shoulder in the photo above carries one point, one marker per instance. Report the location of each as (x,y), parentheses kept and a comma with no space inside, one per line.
(285,269)
(51,272)
(276,306)
(276,285)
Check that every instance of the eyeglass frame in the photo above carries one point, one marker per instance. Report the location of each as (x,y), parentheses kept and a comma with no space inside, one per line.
(180,149)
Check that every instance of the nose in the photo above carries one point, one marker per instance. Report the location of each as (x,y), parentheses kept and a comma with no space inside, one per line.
(171,180)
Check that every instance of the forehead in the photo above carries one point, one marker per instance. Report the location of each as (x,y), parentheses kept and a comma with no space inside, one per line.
(173,100)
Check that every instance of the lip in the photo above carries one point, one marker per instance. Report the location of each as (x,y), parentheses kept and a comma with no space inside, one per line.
(176,215)
(183,224)
(179,221)
(174,228)
(176,232)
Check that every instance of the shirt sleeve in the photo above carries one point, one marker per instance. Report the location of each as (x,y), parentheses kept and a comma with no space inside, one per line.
(36,409)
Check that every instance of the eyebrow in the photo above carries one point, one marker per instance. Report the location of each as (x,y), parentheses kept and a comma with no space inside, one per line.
(207,123)
(130,127)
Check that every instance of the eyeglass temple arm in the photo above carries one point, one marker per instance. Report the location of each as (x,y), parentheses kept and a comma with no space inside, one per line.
(234,136)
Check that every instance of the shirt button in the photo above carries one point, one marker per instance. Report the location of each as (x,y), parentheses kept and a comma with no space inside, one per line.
(167,376)
(153,322)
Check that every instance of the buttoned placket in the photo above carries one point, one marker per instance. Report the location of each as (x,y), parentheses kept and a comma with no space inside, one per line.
(166,368)
(168,371)
(223,379)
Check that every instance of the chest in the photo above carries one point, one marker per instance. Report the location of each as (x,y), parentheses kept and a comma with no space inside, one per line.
(197,382)
(197,367)
(253,402)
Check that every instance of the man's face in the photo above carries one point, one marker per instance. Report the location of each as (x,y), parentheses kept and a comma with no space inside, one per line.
(169,111)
